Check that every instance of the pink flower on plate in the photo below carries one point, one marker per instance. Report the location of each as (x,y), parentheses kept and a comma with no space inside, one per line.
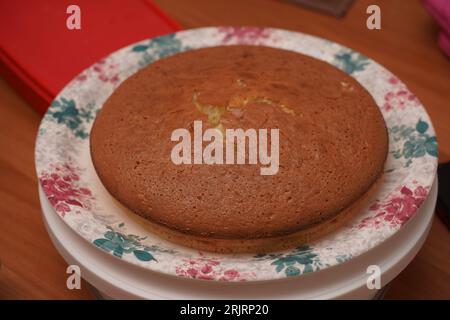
(244,35)
(62,190)
(209,269)
(106,71)
(397,210)
(399,97)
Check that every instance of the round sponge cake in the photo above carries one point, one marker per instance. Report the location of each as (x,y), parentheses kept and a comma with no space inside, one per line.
(332,147)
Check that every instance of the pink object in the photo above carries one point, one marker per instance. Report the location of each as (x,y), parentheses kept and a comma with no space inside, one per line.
(444,42)
(440,10)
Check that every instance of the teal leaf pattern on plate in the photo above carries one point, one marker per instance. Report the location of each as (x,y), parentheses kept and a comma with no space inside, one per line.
(65,111)
(350,61)
(119,244)
(417,142)
(296,262)
(343,258)
(158,48)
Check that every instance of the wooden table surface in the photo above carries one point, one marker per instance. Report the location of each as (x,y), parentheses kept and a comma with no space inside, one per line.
(32,268)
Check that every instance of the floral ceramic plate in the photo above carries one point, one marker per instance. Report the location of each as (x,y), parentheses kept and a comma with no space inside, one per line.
(67,176)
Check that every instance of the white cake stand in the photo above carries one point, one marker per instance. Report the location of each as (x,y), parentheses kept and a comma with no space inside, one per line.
(118,279)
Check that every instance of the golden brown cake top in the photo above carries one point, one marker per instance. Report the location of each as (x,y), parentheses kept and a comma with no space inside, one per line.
(332,140)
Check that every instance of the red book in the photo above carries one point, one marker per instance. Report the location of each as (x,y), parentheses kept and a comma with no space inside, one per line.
(39,54)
